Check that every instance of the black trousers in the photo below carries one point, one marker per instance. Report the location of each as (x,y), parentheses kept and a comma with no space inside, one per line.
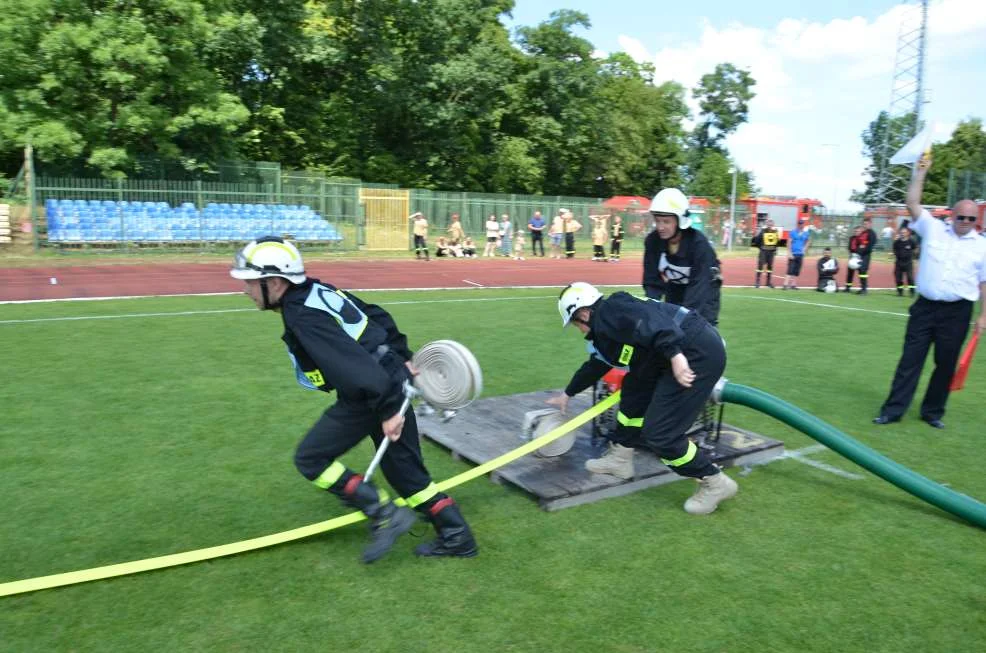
(420,247)
(765,261)
(669,409)
(614,248)
(904,269)
(537,240)
(944,324)
(570,244)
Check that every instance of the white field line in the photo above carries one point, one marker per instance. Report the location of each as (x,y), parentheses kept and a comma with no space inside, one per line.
(478,285)
(246,310)
(819,304)
(802,456)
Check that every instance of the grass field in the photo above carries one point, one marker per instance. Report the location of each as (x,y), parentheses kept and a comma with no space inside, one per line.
(171,426)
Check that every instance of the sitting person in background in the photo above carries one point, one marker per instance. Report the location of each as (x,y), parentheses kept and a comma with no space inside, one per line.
(442,247)
(469,247)
(455,249)
(828,267)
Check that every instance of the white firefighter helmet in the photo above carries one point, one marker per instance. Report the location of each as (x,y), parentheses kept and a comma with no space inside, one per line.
(830,286)
(855,260)
(672,201)
(575,296)
(266,257)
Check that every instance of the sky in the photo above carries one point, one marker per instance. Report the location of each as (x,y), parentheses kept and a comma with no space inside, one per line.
(823,72)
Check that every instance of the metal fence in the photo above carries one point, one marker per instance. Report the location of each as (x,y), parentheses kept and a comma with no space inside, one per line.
(364,215)
(964,184)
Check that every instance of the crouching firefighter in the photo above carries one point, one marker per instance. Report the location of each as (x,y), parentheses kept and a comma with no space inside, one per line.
(338,342)
(648,337)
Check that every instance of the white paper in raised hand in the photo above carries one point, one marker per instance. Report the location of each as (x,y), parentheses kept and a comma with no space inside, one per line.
(911,153)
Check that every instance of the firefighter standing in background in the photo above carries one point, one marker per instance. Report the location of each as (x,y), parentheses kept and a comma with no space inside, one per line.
(865,244)
(674,358)
(616,234)
(420,226)
(905,251)
(766,240)
(854,258)
(338,342)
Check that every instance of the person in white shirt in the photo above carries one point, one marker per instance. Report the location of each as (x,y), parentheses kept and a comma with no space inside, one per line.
(951,278)
(492,235)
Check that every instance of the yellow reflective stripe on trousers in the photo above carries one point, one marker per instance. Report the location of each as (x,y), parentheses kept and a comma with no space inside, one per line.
(329,477)
(629,421)
(418,498)
(687,458)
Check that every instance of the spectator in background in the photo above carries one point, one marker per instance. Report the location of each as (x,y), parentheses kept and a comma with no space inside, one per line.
(556,233)
(951,279)
(506,235)
(536,226)
(442,247)
(887,234)
(519,246)
(469,247)
(420,227)
(492,235)
(616,232)
(599,236)
(798,244)
(905,251)
(455,230)
(571,226)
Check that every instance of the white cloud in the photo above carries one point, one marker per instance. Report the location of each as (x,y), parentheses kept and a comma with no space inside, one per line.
(821,83)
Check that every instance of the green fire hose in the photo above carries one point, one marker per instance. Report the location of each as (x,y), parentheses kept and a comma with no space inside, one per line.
(934,493)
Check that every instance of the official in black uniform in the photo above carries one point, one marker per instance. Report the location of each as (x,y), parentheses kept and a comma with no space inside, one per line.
(905,251)
(338,342)
(680,265)
(951,279)
(647,337)
(865,243)
(766,240)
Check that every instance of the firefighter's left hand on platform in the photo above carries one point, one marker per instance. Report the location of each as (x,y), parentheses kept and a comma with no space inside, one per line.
(560,400)
(683,373)
(393,426)
(411,368)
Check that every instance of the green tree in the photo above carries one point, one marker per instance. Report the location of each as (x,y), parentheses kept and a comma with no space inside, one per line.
(714,179)
(107,82)
(965,151)
(724,97)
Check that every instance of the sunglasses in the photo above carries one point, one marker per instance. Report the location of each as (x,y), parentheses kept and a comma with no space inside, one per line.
(965,218)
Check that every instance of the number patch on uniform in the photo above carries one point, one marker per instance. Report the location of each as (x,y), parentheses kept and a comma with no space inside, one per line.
(316,377)
(626,354)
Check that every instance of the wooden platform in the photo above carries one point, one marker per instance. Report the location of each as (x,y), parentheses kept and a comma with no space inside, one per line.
(491,427)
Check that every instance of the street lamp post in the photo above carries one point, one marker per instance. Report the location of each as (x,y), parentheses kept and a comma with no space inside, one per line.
(732,210)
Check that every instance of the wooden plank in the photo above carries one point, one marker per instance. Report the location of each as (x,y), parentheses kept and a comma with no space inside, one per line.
(492,427)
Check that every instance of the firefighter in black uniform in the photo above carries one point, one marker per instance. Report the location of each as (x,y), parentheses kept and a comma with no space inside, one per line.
(680,265)
(616,235)
(905,251)
(336,341)
(864,247)
(647,337)
(854,258)
(827,267)
(766,240)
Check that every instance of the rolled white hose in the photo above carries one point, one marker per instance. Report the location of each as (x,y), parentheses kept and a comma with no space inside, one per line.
(449,377)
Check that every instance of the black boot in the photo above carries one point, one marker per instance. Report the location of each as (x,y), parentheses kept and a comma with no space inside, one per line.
(757,284)
(387,521)
(454,537)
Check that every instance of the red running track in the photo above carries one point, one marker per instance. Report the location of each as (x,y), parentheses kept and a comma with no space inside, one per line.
(89,281)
